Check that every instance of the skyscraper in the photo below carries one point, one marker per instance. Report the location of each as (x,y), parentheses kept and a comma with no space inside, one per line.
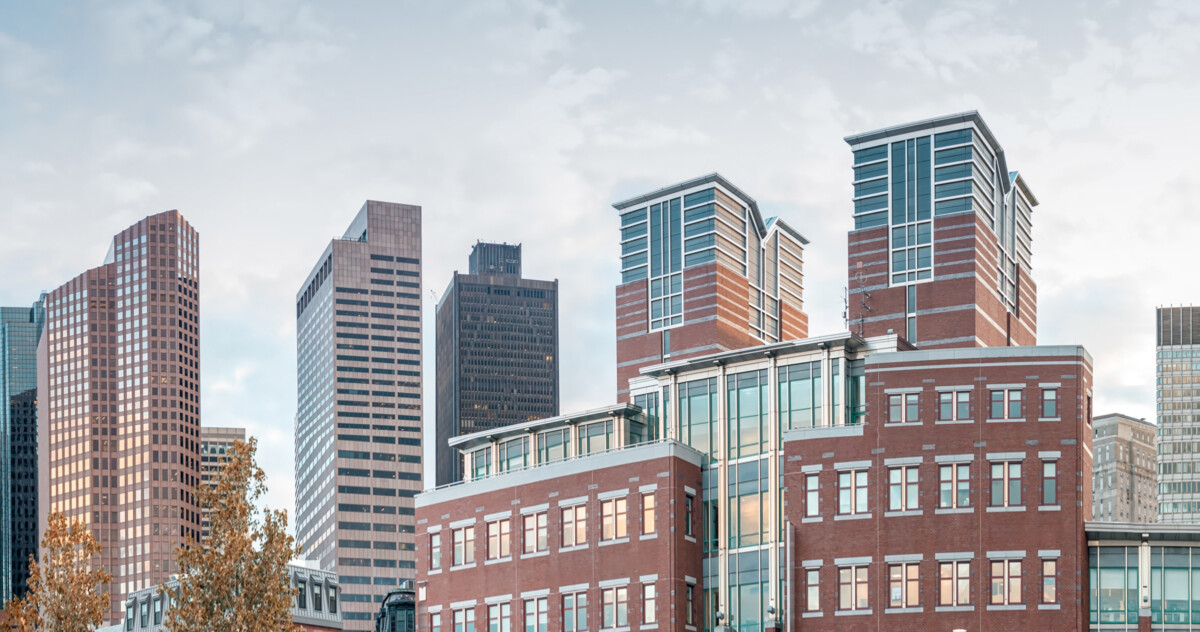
(941,248)
(703,272)
(214,452)
(358,419)
(1178,368)
(497,350)
(1123,470)
(119,411)
(20,329)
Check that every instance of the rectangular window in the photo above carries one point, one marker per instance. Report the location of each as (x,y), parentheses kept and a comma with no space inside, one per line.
(812,586)
(954,486)
(331,594)
(613,519)
(614,607)
(464,620)
(575,617)
(954,584)
(902,488)
(435,622)
(464,546)
(1049,483)
(535,532)
(812,496)
(1006,404)
(690,597)
(1049,581)
(574,525)
(536,614)
(954,406)
(649,604)
(316,596)
(1006,484)
(498,545)
(852,492)
(302,595)
(647,513)
(435,550)
(904,408)
(1006,582)
(689,502)
(852,588)
(904,587)
(1050,403)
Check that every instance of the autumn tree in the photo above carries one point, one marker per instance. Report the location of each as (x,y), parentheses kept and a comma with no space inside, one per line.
(66,592)
(237,580)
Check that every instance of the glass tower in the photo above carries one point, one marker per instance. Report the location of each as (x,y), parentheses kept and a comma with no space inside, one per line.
(1178,367)
(20,330)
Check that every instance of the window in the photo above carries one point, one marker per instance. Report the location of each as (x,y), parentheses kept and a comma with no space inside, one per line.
(499,617)
(812,595)
(1049,483)
(464,547)
(1006,484)
(812,495)
(302,594)
(614,607)
(145,610)
(903,408)
(904,586)
(1050,403)
(954,406)
(435,622)
(158,610)
(852,588)
(689,502)
(574,525)
(498,545)
(647,513)
(852,492)
(535,532)
(435,551)
(649,604)
(464,620)
(613,522)
(536,614)
(954,486)
(1006,404)
(954,584)
(129,617)
(1049,581)
(690,597)
(902,488)
(316,596)
(575,617)
(331,593)
(1006,582)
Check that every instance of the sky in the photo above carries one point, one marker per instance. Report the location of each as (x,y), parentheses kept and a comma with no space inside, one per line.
(268,123)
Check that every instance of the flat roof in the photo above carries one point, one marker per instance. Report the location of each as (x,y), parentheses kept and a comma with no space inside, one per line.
(776,348)
(712,178)
(970,116)
(982,353)
(485,436)
(1136,531)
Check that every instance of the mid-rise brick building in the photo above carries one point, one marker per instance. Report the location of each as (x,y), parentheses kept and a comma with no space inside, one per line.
(1124,479)
(703,272)
(941,251)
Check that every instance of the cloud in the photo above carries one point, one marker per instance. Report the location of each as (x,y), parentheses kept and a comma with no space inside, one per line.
(794,9)
(525,33)
(24,71)
(125,190)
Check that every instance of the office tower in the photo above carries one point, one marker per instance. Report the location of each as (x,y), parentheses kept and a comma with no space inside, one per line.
(20,329)
(358,420)
(1178,367)
(214,453)
(941,248)
(1124,482)
(703,272)
(497,350)
(119,405)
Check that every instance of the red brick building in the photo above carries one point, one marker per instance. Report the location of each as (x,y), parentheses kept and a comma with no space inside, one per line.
(958,504)
(563,525)
(702,272)
(941,248)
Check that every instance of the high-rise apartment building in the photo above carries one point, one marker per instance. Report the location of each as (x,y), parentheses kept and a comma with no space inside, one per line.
(1178,367)
(703,272)
(119,405)
(497,350)
(1123,470)
(214,453)
(941,248)
(20,329)
(358,420)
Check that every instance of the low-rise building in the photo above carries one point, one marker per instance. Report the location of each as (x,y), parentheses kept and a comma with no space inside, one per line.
(1124,474)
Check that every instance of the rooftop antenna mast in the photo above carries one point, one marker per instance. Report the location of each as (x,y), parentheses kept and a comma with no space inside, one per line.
(864,296)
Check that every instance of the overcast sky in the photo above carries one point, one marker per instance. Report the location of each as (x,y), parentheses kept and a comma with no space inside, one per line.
(268,123)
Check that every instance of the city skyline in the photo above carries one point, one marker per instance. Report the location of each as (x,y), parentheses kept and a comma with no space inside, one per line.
(564,157)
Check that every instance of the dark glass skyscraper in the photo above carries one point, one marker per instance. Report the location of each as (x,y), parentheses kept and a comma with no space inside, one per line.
(497,350)
(20,329)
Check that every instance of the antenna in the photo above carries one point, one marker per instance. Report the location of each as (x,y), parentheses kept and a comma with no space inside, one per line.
(862,303)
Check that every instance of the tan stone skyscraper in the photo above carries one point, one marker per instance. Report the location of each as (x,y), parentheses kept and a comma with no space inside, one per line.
(215,444)
(119,411)
(358,417)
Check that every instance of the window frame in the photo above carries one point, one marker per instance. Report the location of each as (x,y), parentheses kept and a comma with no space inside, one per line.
(1049,495)
(1049,580)
(1011,402)
(463,553)
(958,580)
(1007,482)
(649,513)
(906,488)
(535,532)
(614,607)
(435,550)
(614,519)
(958,484)
(904,408)
(858,586)
(1050,401)
(812,495)
(855,495)
(540,611)
(499,539)
(909,583)
(577,611)
(649,603)
(958,403)
(1008,581)
(812,590)
(576,526)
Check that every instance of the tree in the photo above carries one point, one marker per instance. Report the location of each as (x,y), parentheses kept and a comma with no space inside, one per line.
(237,581)
(66,593)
